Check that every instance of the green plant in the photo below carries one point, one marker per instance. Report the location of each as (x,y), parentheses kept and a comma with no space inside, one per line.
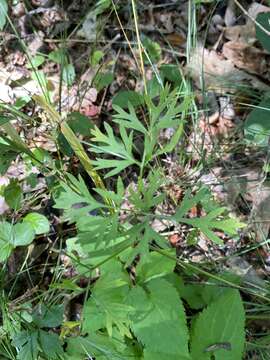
(34,340)
(3,13)
(257,125)
(144,317)
(139,298)
(123,314)
(22,233)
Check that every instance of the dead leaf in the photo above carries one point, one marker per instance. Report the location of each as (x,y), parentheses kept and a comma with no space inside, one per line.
(176,39)
(89,27)
(243,56)
(219,72)
(6,94)
(36,42)
(165,21)
(90,96)
(91,110)
(257,8)
(245,34)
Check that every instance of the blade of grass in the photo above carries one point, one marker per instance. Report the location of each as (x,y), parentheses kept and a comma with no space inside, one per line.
(134,10)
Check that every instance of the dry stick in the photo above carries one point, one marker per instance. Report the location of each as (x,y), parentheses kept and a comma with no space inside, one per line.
(251,18)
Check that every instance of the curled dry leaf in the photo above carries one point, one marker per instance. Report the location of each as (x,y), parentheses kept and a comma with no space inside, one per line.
(243,56)
(242,33)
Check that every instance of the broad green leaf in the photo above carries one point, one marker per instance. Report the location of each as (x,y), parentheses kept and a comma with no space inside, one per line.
(152,50)
(123,98)
(257,124)
(79,123)
(156,265)
(58,56)
(106,307)
(22,234)
(222,322)
(68,74)
(172,73)
(151,355)
(263,20)
(39,223)
(96,57)
(98,346)
(5,245)
(213,289)
(36,61)
(66,284)
(48,315)
(41,156)
(64,145)
(3,13)
(50,345)
(103,80)
(14,235)
(8,154)
(27,344)
(159,321)
(13,195)
(154,87)
(101,6)
(192,294)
